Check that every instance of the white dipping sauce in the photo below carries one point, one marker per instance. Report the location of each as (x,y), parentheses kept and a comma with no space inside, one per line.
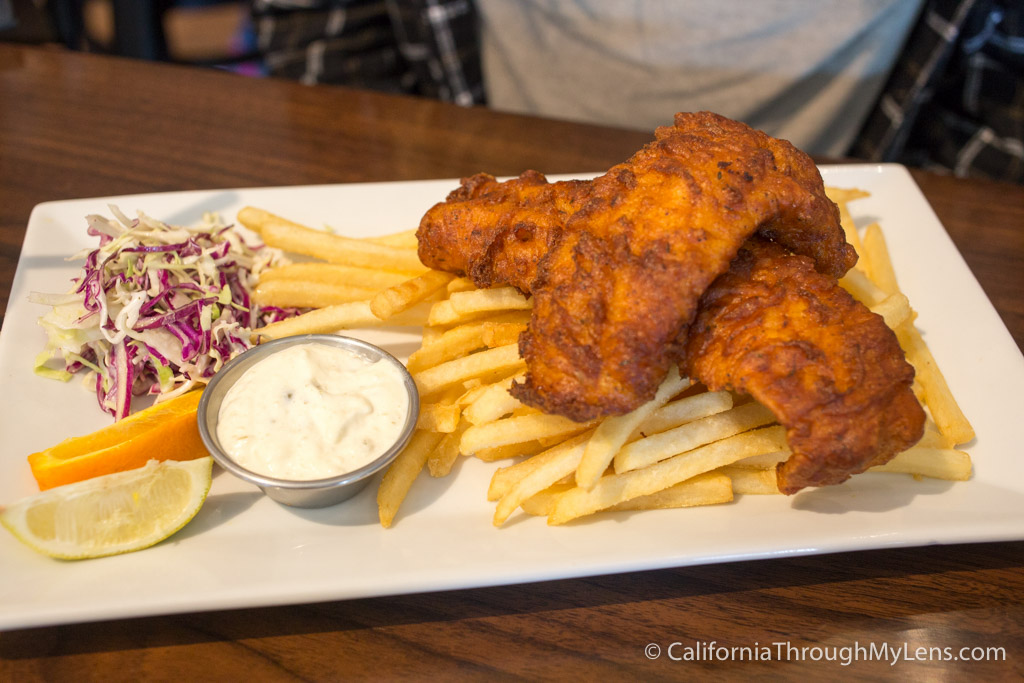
(312,411)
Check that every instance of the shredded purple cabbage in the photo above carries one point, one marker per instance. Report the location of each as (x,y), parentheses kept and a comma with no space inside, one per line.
(157,308)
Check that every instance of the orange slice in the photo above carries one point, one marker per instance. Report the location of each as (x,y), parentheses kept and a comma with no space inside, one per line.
(165,431)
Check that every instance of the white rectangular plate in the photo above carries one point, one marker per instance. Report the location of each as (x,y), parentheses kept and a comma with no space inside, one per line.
(243,550)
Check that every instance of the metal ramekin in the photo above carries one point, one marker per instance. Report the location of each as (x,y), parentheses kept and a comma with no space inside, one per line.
(312,493)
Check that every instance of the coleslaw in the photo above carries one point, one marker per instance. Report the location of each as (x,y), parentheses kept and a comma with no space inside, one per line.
(156,309)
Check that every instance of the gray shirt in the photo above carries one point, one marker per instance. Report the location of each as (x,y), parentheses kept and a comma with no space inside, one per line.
(804,70)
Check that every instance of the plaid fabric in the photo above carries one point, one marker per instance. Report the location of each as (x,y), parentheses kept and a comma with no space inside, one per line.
(7,18)
(955,100)
(418,47)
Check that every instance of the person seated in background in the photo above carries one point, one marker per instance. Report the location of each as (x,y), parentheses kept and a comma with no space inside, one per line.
(955,100)
(835,77)
(415,47)
(804,70)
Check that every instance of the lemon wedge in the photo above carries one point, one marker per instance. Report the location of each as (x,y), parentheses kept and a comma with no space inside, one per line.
(114,513)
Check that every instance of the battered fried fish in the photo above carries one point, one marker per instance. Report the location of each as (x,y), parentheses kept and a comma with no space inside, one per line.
(618,267)
(829,370)
(622,261)
(497,232)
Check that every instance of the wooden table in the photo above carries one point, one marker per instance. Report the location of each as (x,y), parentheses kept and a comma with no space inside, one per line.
(81,126)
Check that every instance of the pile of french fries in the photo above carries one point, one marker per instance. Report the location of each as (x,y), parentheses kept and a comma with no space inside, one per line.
(686,447)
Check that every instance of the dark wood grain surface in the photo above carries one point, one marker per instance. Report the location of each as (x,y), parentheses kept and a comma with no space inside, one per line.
(81,126)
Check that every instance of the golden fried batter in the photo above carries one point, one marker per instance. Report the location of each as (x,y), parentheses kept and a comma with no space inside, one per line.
(828,368)
(617,264)
(625,275)
(620,266)
(497,233)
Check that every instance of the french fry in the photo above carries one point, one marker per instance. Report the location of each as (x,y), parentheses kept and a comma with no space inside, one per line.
(500,334)
(343,250)
(497,299)
(480,364)
(322,320)
(397,481)
(523,409)
(403,296)
(658,447)
(334,274)
(443,313)
(471,390)
(460,284)
(613,432)
(552,465)
(918,390)
(929,458)
(862,288)
(764,461)
(519,429)
(879,264)
(549,466)
(674,414)
(683,410)
(493,403)
(842,198)
(894,309)
(937,463)
(338,317)
(254,218)
(943,406)
(749,482)
(933,438)
(444,455)
(616,488)
(504,478)
(430,337)
(402,240)
(541,503)
(512,450)
(705,489)
(463,306)
(940,401)
(710,488)
(290,236)
(439,417)
(845,195)
(515,317)
(462,340)
(300,294)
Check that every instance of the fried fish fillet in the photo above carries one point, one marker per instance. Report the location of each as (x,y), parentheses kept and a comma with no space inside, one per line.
(497,232)
(619,267)
(621,262)
(830,370)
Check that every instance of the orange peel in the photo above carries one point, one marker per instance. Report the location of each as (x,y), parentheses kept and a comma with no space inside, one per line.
(164,431)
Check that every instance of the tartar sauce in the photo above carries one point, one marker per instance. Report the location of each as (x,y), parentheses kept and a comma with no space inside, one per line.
(312,411)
